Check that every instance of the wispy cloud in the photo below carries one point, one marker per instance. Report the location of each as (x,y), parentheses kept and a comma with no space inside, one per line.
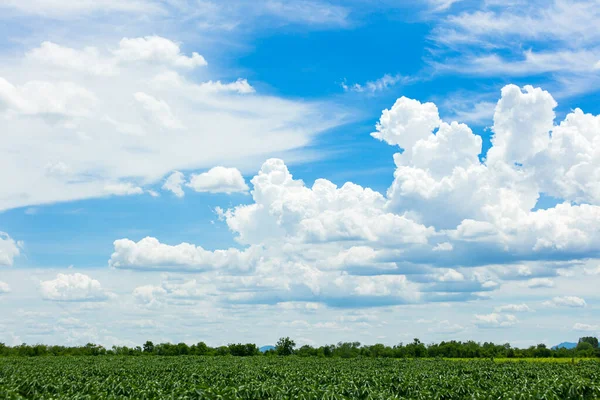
(385,82)
(494,39)
(68,8)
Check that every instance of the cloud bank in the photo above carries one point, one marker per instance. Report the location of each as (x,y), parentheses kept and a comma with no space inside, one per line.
(453,226)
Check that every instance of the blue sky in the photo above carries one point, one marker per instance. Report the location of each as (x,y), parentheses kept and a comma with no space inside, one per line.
(185,170)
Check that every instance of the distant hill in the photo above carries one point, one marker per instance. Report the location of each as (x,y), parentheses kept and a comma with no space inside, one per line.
(565,345)
(266,348)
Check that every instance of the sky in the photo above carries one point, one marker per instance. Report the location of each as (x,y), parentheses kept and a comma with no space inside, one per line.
(238,171)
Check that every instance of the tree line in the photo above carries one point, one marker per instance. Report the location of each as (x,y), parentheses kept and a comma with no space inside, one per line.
(586,347)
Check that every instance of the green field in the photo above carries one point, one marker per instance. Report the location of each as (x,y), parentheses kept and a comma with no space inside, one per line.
(292,378)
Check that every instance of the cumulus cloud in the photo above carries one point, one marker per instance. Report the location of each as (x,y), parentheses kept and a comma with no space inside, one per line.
(219,180)
(566,301)
(156,49)
(440,180)
(174,183)
(9,249)
(240,86)
(513,308)
(495,320)
(73,287)
(285,208)
(149,253)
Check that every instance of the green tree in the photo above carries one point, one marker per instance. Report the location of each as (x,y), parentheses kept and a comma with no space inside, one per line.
(202,349)
(285,346)
(589,339)
(183,349)
(148,347)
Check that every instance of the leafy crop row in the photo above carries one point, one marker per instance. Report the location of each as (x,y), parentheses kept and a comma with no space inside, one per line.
(291,378)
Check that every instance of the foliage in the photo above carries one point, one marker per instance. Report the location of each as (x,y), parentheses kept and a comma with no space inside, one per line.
(593,341)
(587,347)
(193,377)
(285,346)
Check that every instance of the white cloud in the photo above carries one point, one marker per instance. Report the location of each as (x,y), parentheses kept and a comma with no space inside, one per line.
(495,320)
(149,294)
(500,39)
(72,323)
(219,180)
(4,287)
(156,49)
(68,8)
(240,86)
(513,308)
(158,110)
(586,327)
(451,275)
(540,283)
(174,183)
(555,20)
(50,99)
(440,180)
(175,292)
(441,5)
(88,60)
(529,63)
(149,253)
(306,11)
(378,85)
(445,246)
(592,271)
(285,208)
(123,189)
(517,138)
(407,122)
(133,113)
(566,301)
(73,287)
(9,249)
(149,49)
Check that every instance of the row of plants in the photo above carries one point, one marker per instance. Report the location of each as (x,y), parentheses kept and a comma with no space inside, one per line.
(194,377)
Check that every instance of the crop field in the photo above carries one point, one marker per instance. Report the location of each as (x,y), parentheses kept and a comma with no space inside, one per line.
(292,378)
